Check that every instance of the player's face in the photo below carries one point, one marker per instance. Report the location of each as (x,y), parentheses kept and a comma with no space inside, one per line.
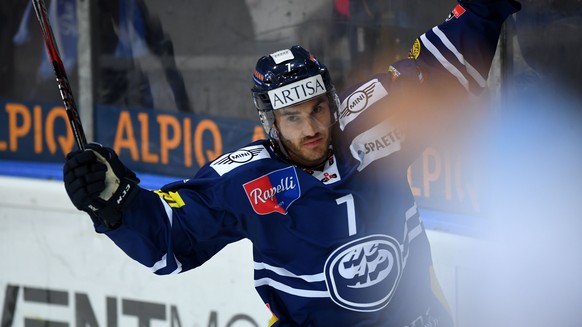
(304,130)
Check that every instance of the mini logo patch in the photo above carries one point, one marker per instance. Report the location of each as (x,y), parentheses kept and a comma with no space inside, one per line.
(360,100)
(230,161)
(273,192)
(239,156)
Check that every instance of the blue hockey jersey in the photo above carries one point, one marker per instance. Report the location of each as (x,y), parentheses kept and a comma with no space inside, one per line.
(344,246)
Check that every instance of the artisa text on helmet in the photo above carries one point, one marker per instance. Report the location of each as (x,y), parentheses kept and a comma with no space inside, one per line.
(297,92)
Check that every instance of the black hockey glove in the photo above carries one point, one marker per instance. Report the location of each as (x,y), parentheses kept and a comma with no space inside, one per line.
(492,9)
(98,183)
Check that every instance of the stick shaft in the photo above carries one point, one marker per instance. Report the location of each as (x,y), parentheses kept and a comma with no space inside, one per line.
(60,73)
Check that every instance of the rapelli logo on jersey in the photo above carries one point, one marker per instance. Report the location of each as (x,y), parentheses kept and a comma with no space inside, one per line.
(273,192)
(363,275)
(229,161)
(296,92)
(360,100)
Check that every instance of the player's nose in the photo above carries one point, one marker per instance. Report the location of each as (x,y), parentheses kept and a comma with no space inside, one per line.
(310,127)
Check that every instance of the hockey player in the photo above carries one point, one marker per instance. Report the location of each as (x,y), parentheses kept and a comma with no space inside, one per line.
(337,237)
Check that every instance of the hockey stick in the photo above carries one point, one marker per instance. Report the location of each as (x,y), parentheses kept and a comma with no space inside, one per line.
(60,73)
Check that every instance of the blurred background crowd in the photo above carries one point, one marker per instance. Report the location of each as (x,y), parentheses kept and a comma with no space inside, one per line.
(197,56)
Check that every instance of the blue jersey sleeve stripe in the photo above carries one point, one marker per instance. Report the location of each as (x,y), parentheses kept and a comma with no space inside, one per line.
(482,81)
(290,290)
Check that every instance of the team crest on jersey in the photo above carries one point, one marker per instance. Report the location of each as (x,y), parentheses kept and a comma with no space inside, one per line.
(360,100)
(273,192)
(363,275)
(229,161)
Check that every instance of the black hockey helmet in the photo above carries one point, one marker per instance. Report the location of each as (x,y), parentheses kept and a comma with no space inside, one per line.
(288,77)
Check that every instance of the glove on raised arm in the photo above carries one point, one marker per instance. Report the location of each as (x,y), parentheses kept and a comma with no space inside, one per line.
(98,183)
(492,9)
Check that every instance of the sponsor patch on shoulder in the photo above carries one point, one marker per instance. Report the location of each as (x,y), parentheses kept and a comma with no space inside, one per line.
(378,142)
(360,100)
(273,192)
(240,157)
(456,13)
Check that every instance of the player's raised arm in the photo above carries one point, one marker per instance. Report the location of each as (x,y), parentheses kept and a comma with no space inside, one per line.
(436,93)
(460,50)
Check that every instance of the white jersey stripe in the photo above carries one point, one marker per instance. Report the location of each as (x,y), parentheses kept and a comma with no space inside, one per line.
(179,268)
(286,273)
(414,232)
(411,212)
(163,263)
(290,290)
(160,264)
(448,66)
(168,210)
(470,69)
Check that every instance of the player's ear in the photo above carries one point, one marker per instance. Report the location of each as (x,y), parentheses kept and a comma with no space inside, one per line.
(274,133)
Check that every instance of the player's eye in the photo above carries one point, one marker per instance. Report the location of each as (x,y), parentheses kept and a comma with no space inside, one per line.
(319,110)
(293,118)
